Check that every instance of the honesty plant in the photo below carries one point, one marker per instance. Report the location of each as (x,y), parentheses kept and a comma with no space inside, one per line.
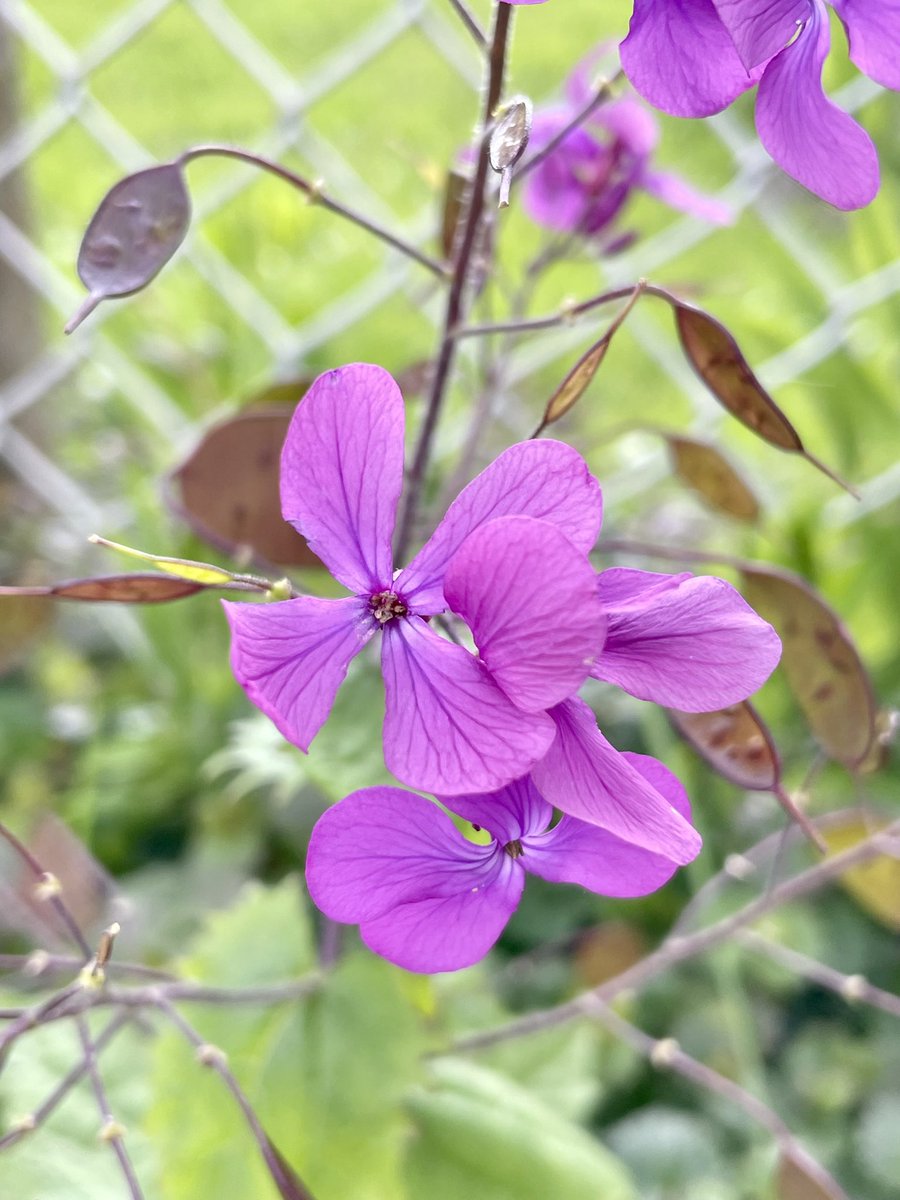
(692,58)
(586,181)
(429,899)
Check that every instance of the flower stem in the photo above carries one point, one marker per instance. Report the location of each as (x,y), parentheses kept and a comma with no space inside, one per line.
(459,286)
(316,195)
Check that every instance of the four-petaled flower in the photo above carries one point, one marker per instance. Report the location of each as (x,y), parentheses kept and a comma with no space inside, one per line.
(428,899)
(510,555)
(585,182)
(692,58)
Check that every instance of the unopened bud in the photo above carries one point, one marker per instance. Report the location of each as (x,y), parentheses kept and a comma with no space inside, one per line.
(47,887)
(664,1051)
(854,987)
(111,1131)
(209,1055)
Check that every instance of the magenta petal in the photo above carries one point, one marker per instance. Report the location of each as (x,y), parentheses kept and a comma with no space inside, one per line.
(291,657)
(530,599)
(544,479)
(687,641)
(513,812)
(583,775)
(673,190)
(873,30)
(424,897)
(448,728)
(760,28)
(576,852)
(342,470)
(679,56)
(809,137)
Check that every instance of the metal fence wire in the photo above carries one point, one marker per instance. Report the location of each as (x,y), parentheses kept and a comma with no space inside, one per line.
(75,75)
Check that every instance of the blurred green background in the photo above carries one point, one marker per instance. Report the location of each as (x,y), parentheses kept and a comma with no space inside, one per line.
(128,725)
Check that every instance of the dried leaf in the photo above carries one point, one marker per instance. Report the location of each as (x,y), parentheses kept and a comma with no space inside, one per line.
(511,133)
(820,661)
(456,190)
(735,742)
(22,618)
(244,517)
(703,468)
(802,1178)
(876,884)
(717,359)
(139,225)
(120,589)
(508,142)
(575,383)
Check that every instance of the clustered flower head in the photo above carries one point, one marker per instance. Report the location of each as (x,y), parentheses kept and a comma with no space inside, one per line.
(692,58)
(499,735)
(585,182)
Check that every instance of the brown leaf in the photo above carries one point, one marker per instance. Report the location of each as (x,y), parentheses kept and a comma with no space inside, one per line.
(456,190)
(820,661)
(22,617)
(142,588)
(736,744)
(139,225)
(228,489)
(703,468)
(717,359)
(575,383)
(802,1178)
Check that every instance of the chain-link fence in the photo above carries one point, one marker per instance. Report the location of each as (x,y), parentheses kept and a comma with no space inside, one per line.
(73,81)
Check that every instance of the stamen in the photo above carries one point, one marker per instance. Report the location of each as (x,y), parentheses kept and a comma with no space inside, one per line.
(387,605)
(514,849)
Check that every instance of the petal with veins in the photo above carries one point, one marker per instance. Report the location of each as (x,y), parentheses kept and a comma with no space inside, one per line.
(342,470)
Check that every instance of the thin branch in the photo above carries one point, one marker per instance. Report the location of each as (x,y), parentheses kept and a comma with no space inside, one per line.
(316,195)
(852,988)
(27,1124)
(666,1054)
(676,950)
(111,1130)
(468,19)
(39,963)
(48,888)
(603,93)
(211,1056)
(459,287)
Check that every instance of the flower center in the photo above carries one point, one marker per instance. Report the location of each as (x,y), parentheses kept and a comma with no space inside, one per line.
(514,849)
(387,605)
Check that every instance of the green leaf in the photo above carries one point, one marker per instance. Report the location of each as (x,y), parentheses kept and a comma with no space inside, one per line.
(326,1075)
(479,1134)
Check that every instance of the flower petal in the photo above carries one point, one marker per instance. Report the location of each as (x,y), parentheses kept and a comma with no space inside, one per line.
(448,728)
(678,194)
(873,30)
(679,56)
(342,471)
(291,657)
(760,28)
(577,852)
(687,641)
(544,479)
(516,811)
(424,897)
(559,194)
(809,137)
(583,775)
(530,598)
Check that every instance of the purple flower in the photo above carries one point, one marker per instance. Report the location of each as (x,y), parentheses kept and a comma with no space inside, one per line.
(510,554)
(693,57)
(582,186)
(429,900)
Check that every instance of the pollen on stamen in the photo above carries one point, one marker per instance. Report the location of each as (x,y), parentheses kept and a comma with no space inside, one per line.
(514,848)
(386,606)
